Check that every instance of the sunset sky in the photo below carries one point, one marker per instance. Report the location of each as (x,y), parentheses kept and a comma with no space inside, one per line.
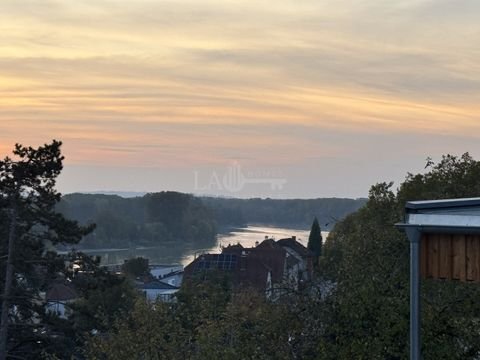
(329,95)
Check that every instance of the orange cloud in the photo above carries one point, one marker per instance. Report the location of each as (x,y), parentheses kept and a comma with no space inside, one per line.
(110,78)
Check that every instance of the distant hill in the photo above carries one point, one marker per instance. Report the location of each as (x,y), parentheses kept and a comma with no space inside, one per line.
(286,213)
(153,219)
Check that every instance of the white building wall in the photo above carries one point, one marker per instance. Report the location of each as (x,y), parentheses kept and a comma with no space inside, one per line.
(161,294)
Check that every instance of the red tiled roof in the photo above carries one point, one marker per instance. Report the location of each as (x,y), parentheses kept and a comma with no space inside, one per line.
(233,247)
(296,246)
(267,244)
(252,265)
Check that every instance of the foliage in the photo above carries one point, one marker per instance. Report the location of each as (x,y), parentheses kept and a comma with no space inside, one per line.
(28,224)
(164,331)
(136,267)
(104,298)
(369,260)
(292,212)
(315,239)
(166,218)
(250,328)
(207,322)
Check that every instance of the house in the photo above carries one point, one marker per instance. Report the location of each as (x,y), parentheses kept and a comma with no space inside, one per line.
(272,255)
(304,256)
(269,267)
(157,290)
(174,279)
(254,274)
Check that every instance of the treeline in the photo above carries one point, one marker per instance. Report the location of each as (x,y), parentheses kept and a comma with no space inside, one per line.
(293,213)
(177,218)
(158,218)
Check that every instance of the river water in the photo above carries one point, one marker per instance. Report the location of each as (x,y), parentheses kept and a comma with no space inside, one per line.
(172,255)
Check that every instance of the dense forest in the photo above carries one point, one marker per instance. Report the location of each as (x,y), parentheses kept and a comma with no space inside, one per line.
(166,218)
(291,213)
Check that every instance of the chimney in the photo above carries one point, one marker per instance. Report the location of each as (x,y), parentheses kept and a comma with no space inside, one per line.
(256,243)
(294,238)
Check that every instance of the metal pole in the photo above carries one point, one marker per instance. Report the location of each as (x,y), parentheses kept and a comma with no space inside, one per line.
(414,235)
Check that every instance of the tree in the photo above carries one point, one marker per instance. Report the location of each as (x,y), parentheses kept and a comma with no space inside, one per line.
(370,258)
(165,330)
(29,224)
(136,267)
(315,240)
(104,296)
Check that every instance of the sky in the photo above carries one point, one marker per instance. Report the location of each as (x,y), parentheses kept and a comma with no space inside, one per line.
(280,99)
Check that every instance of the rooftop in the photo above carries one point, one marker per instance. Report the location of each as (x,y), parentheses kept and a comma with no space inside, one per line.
(293,244)
(454,214)
(443,204)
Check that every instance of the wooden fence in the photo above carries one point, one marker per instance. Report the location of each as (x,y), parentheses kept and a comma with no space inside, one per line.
(450,256)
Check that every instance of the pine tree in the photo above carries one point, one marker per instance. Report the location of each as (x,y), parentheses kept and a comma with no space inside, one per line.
(28,223)
(315,240)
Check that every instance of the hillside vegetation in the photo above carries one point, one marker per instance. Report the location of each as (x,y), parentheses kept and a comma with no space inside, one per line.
(288,213)
(158,218)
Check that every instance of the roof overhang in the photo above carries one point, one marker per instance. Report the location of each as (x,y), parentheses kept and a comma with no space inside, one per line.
(455,216)
(440,229)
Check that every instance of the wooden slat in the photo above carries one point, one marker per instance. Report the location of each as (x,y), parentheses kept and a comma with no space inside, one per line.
(477,261)
(445,256)
(424,256)
(433,256)
(472,251)
(458,258)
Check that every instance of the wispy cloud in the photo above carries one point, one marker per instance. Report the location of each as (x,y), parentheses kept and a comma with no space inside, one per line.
(158,83)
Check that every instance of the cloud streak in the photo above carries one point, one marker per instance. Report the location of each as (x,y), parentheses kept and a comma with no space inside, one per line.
(182,82)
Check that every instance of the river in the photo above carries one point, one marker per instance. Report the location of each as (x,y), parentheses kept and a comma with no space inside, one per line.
(167,255)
